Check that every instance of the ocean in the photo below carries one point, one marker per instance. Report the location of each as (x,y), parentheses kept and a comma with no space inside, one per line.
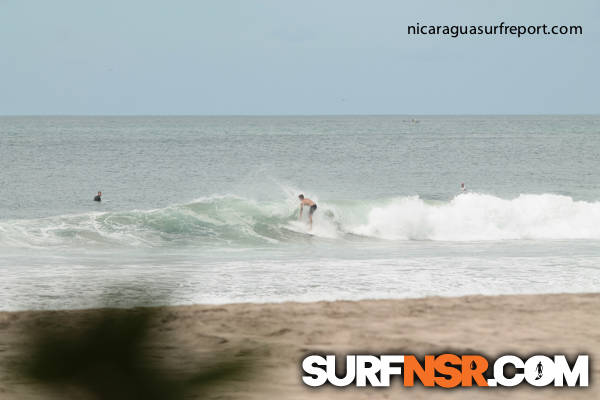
(205,209)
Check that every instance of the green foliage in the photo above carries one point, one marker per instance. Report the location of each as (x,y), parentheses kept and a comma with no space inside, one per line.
(109,358)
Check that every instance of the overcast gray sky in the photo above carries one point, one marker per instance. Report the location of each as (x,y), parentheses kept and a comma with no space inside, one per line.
(284,57)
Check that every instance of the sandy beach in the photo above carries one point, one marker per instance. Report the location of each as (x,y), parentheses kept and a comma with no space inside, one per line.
(278,337)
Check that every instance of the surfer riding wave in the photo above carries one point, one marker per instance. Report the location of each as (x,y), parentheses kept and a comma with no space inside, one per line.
(305,201)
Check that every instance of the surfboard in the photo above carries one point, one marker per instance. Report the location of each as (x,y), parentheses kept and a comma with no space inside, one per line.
(298,227)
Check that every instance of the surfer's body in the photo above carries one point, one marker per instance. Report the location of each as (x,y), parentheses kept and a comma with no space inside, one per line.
(98,197)
(305,201)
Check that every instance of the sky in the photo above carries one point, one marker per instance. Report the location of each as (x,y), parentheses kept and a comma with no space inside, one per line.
(227,57)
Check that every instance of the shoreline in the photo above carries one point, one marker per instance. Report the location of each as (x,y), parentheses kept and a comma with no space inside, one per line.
(291,302)
(279,335)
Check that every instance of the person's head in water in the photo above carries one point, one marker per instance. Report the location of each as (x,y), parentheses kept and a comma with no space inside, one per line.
(99,193)
(301,197)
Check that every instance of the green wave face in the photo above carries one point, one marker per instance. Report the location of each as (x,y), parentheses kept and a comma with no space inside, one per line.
(239,222)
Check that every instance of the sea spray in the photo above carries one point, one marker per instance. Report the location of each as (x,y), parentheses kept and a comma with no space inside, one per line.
(479,217)
(237,221)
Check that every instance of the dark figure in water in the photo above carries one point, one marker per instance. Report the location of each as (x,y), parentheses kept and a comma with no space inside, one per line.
(98,197)
(307,202)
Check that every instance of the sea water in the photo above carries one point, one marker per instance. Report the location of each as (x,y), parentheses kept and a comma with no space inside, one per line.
(205,209)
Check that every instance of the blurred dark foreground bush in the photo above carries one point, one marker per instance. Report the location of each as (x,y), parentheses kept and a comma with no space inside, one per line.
(109,357)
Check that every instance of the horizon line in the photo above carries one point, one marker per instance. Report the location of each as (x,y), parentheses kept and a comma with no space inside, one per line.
(301,115)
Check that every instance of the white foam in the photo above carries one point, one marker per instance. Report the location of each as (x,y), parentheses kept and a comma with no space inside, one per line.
(232,220)
(473,217)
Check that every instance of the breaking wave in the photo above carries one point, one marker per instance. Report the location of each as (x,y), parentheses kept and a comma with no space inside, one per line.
(236,221)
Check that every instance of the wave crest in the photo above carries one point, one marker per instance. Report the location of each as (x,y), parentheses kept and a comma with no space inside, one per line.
(474,217)
(236,221)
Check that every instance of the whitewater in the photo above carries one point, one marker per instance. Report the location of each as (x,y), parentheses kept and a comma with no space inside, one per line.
(235,221)
(205,209)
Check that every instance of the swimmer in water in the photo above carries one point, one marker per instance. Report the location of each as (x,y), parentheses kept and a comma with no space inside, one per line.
(305,201)
(463,188)
(98,197)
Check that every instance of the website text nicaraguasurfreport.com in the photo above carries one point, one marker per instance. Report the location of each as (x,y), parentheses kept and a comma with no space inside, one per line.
(499,29)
